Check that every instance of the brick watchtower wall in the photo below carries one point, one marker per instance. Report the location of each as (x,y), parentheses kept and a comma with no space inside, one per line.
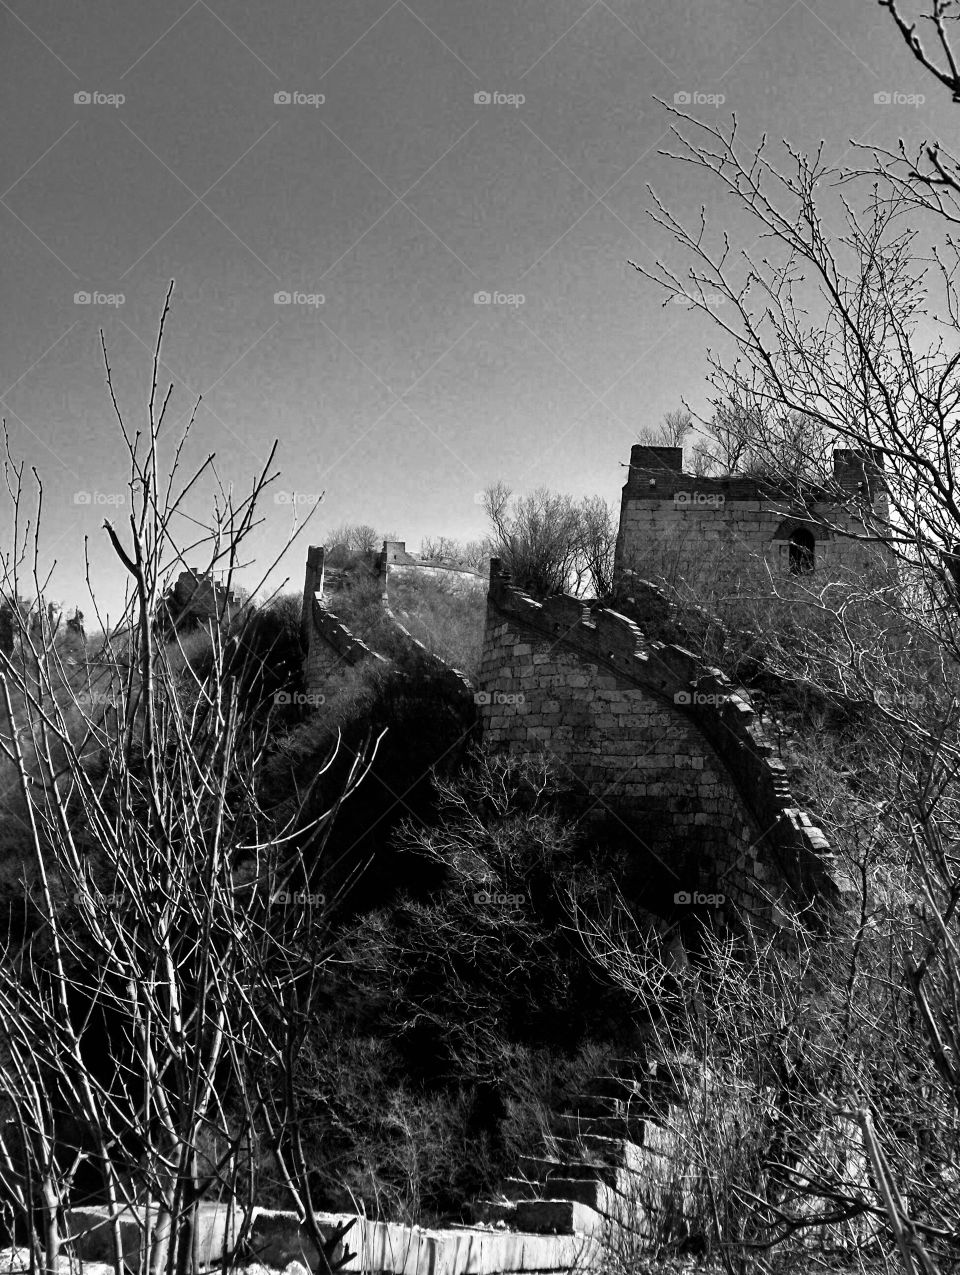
(719,530)
(664,750)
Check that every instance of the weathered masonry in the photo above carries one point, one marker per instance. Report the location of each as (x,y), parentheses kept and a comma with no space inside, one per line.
(393,559)
(717,529)
(666,752)
(330,647)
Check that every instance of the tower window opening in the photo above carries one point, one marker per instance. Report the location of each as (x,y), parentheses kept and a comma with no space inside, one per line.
(801,552)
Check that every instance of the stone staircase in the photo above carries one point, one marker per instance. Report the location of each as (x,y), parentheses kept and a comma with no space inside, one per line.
(605,1170)
(605,1160)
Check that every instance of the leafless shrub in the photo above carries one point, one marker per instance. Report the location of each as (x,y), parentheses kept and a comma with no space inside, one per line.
(152,1013)
(550,543)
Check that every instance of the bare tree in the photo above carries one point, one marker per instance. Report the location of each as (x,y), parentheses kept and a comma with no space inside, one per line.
(551,543)
(536,536)
(672,431)
(151,1016)
(852,364)
(598,539)
(744,436)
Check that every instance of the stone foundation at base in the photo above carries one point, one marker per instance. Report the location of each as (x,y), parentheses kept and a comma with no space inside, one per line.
(377,1248)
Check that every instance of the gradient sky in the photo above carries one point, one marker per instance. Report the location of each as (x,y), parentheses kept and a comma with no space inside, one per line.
(397,200)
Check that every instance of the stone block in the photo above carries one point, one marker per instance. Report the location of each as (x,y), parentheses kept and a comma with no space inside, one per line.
(564,1217)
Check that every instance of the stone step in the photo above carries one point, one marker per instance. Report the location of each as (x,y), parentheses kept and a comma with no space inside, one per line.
(493,1211)
(618,1128)
(620,1086)
(619,1106)
(638,1069)
(674,1074)
(596,1195)
(559,1217)
(581,1190)
(548,1170)
(590,1133)
(624,1153)
(521,1189)
(626,1211)
(653,1089)
(626,1208)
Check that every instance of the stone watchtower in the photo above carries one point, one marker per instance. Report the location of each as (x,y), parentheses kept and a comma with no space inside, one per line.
(676,526)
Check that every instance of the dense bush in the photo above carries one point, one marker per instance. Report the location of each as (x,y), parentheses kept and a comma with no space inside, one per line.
(459,1013)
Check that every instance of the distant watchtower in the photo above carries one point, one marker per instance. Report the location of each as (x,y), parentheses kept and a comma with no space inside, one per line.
(675,525)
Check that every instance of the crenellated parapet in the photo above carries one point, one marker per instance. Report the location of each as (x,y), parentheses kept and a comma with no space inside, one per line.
(730,530)
(671,744)
(394,560)
(329,644)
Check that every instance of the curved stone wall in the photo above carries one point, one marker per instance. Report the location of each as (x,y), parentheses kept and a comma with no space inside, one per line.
(661,746)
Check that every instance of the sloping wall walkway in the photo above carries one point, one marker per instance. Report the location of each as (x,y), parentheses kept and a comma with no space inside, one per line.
(662,746)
